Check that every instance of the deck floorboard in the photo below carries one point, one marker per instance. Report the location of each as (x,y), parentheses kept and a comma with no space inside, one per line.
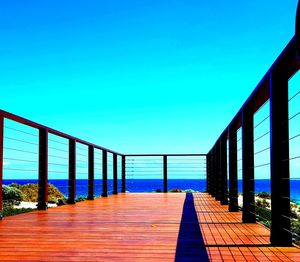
(136,227)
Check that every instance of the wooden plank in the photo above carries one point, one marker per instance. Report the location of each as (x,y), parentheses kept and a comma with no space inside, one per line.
(134,227)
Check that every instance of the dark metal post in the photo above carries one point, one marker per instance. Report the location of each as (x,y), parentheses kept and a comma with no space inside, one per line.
(91,181)
(218,172)
(72,171)
(280,169)
(248,166)
(1,163)
(123,174)
(214,169)
(297,31)
(233,179)
(208,173)
(213,172)
(43,170)
(104,175)
(165,167)
(115,173)
(223,170)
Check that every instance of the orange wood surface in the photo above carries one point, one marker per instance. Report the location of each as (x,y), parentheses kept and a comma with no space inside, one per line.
(134,227)
(226,238)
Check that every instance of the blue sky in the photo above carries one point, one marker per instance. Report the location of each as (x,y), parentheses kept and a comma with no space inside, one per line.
(138,76)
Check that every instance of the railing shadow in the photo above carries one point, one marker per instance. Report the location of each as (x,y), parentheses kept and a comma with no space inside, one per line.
(190,243)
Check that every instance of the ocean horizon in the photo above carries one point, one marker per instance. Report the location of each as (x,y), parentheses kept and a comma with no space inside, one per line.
(151,185)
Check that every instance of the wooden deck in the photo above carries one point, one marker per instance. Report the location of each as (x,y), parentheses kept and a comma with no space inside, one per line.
(138,227)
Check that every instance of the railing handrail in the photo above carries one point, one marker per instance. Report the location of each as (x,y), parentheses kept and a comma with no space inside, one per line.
(261,94)
(148,155)
(43,158)
(33,124)
(53,131)
(274,87)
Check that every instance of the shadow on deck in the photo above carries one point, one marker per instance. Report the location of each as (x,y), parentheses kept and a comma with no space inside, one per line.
(190,242)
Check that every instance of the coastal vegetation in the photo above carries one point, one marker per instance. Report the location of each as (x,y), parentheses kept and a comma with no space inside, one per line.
(9,210)
(14,194)
(263,214)
(80,198)
(177,190)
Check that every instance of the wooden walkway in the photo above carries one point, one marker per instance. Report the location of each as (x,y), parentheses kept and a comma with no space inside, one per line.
(138,227)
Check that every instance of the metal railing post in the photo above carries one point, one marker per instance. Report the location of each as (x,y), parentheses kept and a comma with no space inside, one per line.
(279,156)
(248,166)
(43,170)
(91,182)
(233,179)
(214,175)
(123,174)
(223,170)
(1,163)
(104,174)
(115,173)
(208,173)
(218,171)
(72,171)
(165,168)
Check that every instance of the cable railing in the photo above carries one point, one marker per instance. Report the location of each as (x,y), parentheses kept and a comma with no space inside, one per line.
(81,171)
(58,166)
(110,174)
(119,175)
(61,169)
(20,146)
(261,140)
(294,155)
(49,166)
(144,173)
(164,173)
(250,149)
(20,162)
(98,173)
(268,147)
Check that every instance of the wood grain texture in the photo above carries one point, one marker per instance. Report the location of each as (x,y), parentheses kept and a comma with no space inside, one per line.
(133,227)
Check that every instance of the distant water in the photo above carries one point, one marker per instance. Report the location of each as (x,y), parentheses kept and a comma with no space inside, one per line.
(150,185)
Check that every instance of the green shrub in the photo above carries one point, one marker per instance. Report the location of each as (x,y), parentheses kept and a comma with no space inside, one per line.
(15,185)
(11,193)
(294,214)
(176,190)
(30,193)
(61,201)
(295,228)
(14,193)
(54,193)
(264,195)
(258,203)
(293,205)
(158,190)
(265,203)
(10,211)
(80,198)
(263,215)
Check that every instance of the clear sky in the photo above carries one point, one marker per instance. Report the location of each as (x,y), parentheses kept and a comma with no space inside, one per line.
(138,76)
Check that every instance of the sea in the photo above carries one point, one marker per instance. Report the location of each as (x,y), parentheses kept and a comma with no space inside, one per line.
(152,185)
